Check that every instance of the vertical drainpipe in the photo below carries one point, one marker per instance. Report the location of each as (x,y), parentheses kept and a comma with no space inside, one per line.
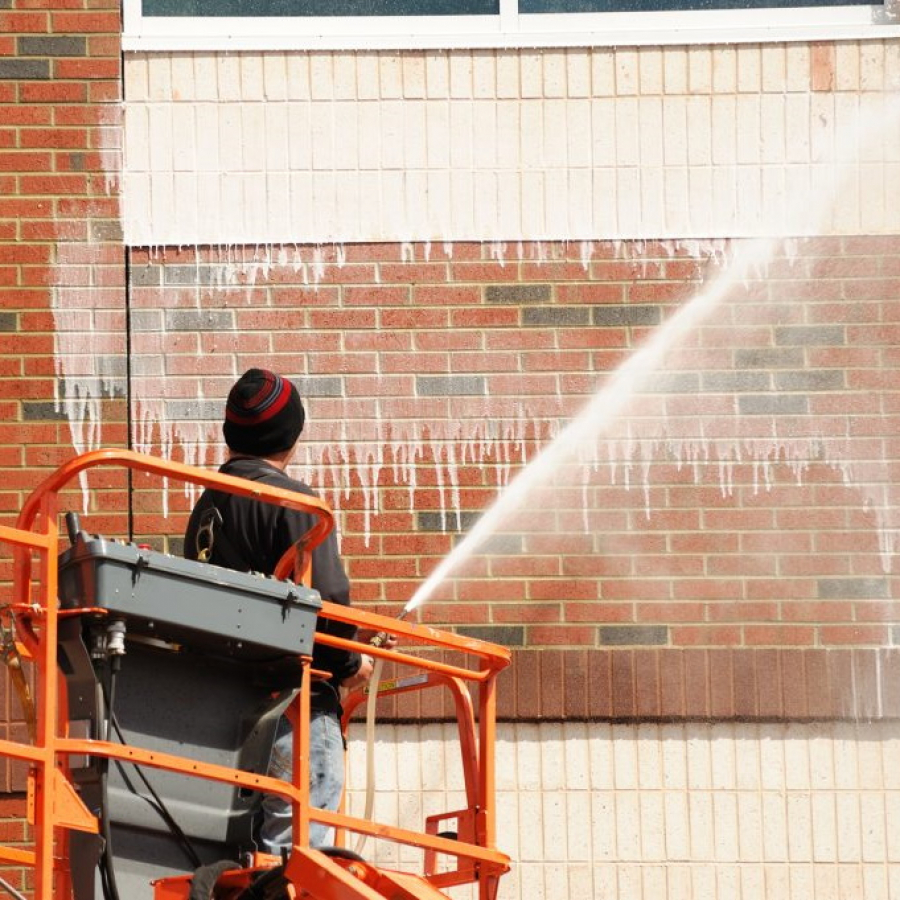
(129,420)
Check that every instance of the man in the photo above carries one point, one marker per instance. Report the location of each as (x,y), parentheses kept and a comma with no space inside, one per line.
(263,420)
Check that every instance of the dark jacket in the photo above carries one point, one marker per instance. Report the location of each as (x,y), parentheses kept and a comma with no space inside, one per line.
(256,535)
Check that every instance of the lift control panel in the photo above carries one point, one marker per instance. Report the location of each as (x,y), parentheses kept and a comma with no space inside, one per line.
(180,601)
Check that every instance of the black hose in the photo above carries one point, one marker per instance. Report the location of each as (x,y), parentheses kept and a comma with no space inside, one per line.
(156,803)
(107,866)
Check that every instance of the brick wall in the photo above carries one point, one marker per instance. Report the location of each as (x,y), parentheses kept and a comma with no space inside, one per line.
(724,548)
(728,549)
(61,260)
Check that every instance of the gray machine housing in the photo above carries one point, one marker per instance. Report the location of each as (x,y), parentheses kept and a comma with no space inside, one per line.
(177,600)
(210,664)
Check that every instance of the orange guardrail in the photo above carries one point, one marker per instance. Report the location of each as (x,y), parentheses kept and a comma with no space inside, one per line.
(55,805)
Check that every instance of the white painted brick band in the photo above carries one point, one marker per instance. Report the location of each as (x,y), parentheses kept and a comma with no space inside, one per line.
(509,145)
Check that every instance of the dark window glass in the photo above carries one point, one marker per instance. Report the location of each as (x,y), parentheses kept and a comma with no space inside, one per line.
(320,7)
(584,6)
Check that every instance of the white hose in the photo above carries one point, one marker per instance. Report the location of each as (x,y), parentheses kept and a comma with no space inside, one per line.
(370,749)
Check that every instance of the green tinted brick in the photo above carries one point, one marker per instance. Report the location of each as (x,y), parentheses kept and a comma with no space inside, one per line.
(810,380)
(769,358)
(450,385)
(146,320)
(626,314)
(37,411)
(810,335)
(199,320)
(435,521)
(330,386)
(190,275)
(729,382)
(103,229)
(52,45)
(146,276)
(505,635)
(515,294)
(25,69)
(557,315)
(194,410)
(853,588)
(639,635)
(672,383)
(773,405)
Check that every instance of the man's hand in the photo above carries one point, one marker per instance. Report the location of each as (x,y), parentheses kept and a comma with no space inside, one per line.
(362,676)
(377,638)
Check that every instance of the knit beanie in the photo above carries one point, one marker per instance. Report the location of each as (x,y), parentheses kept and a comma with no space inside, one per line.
(263,415)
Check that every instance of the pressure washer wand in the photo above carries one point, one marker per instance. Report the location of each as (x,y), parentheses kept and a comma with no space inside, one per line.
(380,639)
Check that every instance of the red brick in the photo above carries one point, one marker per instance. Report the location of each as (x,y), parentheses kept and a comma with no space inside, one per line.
(890,683)
(791,635)
(647,684)
(697,682)
(668,612)
(576,684)
(86,22)
(705,635)
(343,319)
(560,635)
(23,22)
(80,114)
(721,683)
(26,115)
(821,611)
(552,683)
(414,273)
(622,684)
(56,138)
(53,92)
(24,253)
(479,317)
(488,272)
(528,612)
(449,295)
(746,683)
(526,669)
(104,45)
(671,684)
(589,293)
(878,635)
(22,161)
(75,68)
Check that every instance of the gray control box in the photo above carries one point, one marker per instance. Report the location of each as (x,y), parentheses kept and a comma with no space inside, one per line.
(181,601)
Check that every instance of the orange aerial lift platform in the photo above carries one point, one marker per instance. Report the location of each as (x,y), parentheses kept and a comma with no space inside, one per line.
(152,686)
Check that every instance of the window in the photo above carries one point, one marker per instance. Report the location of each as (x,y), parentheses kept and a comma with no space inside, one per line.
(322,8)
(400,24)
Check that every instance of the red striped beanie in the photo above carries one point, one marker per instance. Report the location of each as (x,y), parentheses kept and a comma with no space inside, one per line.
(263,415)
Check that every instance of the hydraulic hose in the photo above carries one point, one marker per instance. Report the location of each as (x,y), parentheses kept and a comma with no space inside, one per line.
(378,641)
(370,749)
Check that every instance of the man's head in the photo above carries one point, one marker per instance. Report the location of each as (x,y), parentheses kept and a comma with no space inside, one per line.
(263,415)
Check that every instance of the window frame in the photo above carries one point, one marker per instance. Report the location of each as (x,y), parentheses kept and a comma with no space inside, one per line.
(508,29)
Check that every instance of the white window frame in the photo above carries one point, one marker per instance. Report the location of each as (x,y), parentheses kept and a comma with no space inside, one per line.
(509,29)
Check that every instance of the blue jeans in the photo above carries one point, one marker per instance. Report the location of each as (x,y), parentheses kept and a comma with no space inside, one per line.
(326,781)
